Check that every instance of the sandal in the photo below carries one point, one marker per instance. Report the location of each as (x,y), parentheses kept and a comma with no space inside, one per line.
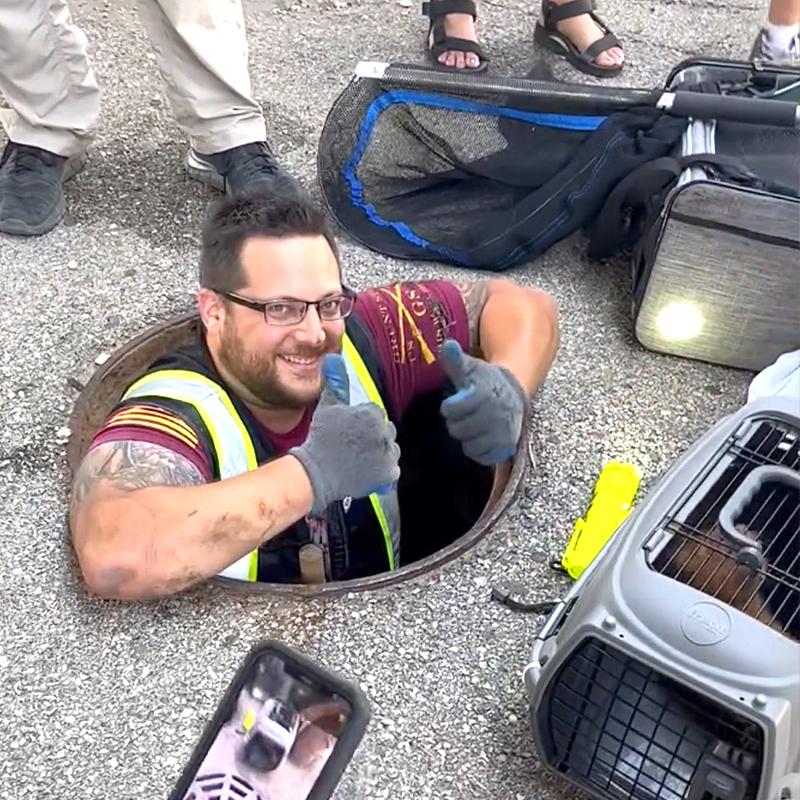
(551,38)
(436,11)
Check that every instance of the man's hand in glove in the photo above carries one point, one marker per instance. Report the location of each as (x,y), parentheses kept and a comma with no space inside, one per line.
(350,451)
(485,414)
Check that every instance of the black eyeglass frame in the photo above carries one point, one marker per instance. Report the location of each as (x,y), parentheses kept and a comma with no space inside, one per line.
(346,294)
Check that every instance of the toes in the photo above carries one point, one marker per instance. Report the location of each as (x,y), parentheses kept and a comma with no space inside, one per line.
(459,26)
(458,60)
(610,58)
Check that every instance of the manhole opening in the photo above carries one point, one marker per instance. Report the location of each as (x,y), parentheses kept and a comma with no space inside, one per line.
(448,503)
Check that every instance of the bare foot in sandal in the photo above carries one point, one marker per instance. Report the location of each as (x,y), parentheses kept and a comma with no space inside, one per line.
(461,26)
(452,41)
(594,49)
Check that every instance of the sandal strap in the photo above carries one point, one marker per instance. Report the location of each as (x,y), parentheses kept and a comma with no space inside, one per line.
(451,43)
(600,46)
(553,13)
(441,8)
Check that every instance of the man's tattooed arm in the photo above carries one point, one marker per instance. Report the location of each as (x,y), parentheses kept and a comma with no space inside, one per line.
(145,522)
(475,294)
(126,466)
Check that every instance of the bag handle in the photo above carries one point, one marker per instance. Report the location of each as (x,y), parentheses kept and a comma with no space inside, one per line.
(607,231)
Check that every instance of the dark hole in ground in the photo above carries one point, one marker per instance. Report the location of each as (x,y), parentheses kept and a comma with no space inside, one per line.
(442,493)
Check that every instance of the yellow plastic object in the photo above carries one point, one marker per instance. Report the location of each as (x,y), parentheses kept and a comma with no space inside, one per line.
(611,503)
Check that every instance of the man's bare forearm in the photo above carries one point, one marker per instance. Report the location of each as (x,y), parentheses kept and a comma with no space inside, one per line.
(145,524)
(513,326)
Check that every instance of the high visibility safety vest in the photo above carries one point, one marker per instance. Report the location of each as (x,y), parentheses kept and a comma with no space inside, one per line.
(234,446)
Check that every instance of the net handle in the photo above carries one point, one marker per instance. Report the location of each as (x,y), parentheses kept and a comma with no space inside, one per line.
(681,103)
(416,76)
(750,550)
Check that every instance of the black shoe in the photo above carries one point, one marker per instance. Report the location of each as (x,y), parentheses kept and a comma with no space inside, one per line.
(243,169)
(31,195)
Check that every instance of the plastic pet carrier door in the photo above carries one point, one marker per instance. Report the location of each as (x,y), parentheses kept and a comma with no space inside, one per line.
(671,669)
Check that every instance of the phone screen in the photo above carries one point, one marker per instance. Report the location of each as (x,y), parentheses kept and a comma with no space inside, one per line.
(278,729)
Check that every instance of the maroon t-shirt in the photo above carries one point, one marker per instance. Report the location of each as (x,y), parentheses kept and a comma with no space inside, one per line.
(408,322)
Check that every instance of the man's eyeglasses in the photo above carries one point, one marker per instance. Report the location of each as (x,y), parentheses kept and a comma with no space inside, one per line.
(292,312)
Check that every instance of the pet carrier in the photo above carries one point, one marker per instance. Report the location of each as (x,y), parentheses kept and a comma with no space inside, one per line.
(716,267)
(488,172)
(671,669)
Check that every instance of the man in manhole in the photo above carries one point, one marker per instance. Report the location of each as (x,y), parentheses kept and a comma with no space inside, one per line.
(267,449)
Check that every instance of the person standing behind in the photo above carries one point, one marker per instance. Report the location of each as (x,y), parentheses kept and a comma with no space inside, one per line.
(780,39)
(45,76)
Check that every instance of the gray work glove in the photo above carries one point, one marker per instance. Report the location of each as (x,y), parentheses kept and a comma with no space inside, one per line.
(350,451)
(485,414)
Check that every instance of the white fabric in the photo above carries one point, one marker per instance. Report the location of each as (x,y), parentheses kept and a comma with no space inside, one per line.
(780,378)
(46,78)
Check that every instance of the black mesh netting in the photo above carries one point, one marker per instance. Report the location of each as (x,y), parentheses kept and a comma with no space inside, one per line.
(489,174)
(476,178)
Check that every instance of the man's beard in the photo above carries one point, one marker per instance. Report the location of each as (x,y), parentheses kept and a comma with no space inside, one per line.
(258,372)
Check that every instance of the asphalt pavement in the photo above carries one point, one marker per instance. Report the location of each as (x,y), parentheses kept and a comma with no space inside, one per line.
(106,700)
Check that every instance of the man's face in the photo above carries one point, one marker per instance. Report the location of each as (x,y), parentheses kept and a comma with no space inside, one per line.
(278,366)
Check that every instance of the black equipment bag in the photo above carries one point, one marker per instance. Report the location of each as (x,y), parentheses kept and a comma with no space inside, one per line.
(715,227)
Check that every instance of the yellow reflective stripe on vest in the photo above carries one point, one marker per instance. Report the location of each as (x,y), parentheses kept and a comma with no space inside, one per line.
(232,444)
(355,364)
(352,358)
(181,384)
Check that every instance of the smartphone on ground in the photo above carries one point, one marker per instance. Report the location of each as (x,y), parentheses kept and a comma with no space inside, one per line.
(285,730)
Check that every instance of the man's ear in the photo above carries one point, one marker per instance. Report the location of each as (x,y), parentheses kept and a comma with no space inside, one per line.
(212,310)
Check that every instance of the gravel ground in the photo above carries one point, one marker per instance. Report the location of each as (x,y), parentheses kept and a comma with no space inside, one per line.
(104,700)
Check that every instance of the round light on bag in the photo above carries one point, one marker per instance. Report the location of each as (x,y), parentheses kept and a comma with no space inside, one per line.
(680,321)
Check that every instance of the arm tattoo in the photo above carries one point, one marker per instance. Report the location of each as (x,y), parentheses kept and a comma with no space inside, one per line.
(128,465)
(475,294)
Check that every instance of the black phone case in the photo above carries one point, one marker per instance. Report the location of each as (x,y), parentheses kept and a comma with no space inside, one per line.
(344,748)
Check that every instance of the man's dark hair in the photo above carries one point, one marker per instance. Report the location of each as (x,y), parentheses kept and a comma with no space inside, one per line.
(232,221)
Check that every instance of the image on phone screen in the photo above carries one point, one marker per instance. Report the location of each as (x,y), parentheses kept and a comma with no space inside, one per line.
(277,737)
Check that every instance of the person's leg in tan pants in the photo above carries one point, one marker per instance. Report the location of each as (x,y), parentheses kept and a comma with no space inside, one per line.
(201,52)
(46,78)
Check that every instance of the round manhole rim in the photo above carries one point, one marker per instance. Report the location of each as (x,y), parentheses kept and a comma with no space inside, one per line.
(506,485)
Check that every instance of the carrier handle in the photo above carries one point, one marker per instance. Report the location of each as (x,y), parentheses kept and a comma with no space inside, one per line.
(756,111)
(749,549)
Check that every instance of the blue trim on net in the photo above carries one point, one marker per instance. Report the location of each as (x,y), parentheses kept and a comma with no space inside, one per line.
(561,121)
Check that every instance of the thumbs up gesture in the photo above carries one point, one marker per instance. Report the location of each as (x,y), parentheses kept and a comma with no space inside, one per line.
(350,451)
(336,380)
(485,414)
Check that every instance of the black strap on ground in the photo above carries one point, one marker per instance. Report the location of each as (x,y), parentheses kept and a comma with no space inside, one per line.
(501,592)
